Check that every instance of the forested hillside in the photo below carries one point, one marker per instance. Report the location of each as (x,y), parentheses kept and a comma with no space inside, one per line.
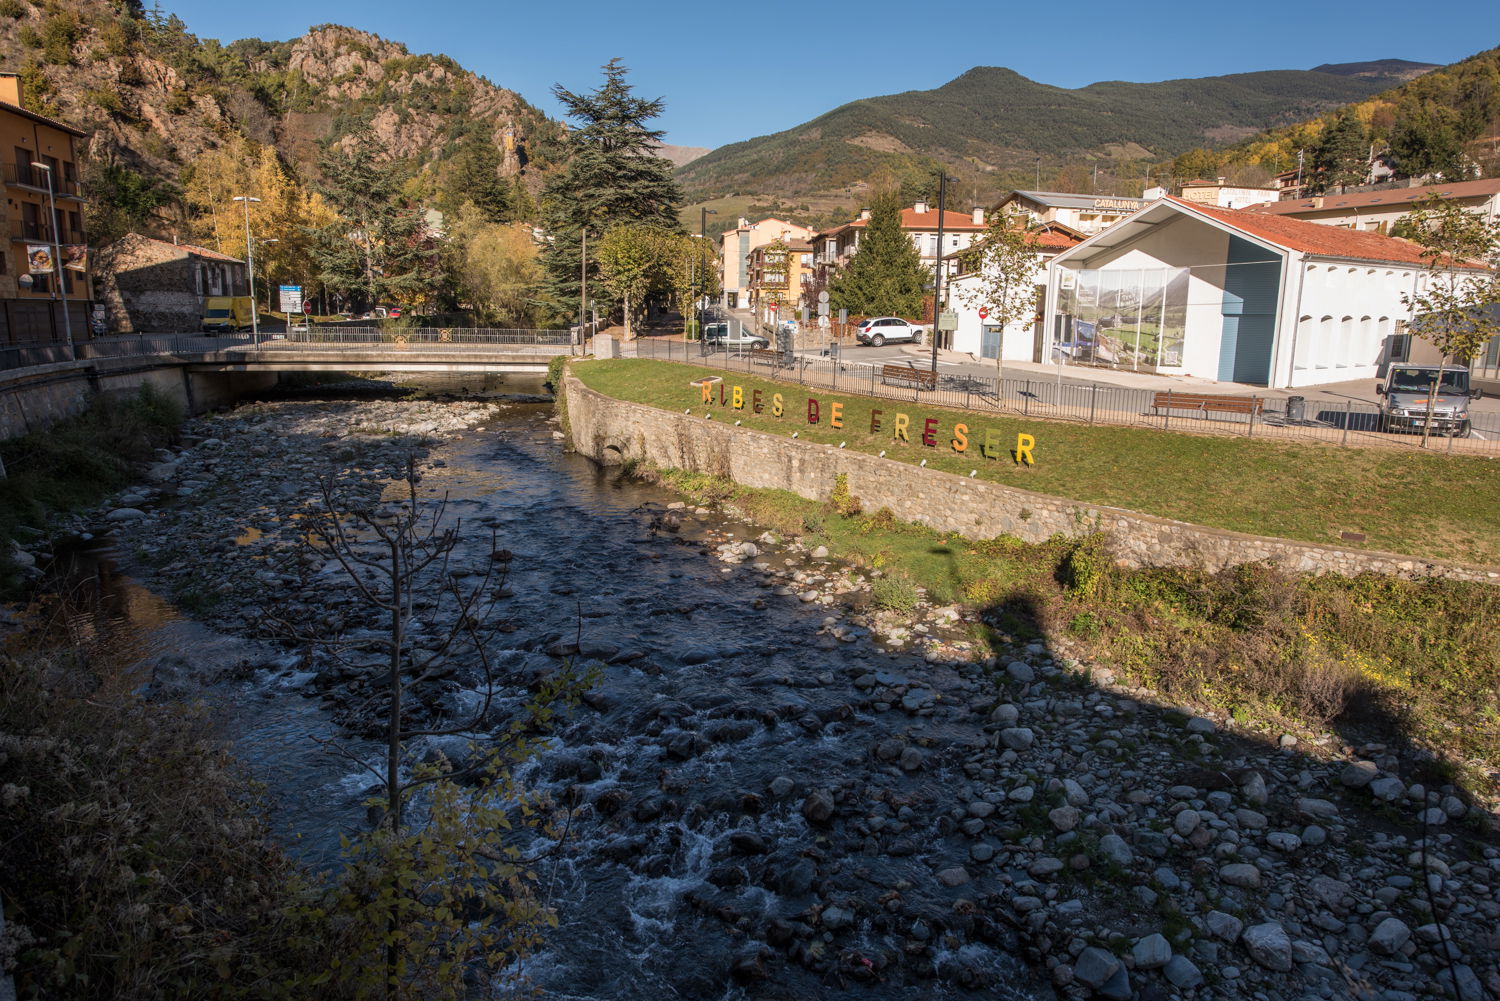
(990,126)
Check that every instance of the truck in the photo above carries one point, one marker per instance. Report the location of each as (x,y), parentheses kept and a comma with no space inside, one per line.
(1410,391)
(226,313)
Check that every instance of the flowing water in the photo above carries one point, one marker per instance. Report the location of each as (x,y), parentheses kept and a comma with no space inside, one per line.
(712,721)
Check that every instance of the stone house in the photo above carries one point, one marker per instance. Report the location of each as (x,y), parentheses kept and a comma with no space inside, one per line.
(151,286)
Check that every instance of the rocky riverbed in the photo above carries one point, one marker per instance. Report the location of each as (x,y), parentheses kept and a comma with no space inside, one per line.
(784,792)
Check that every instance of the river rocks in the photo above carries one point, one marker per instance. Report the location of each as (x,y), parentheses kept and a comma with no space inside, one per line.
(124,514)
(1240,874)
(954,876)
(1017,738)
(1269,945)
(818,807)
(752,786)
(1389,936)
(1151,952)
(1094,967)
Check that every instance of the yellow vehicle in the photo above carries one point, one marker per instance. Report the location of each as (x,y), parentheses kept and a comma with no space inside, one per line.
(225,313)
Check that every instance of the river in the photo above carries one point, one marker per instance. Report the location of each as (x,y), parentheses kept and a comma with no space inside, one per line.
(692,869)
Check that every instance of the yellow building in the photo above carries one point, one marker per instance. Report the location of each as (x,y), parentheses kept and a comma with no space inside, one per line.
(32,312)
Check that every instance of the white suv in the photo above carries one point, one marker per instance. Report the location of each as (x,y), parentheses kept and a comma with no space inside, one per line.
(888,328)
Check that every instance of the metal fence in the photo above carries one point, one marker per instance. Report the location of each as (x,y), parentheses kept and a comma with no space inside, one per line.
(147,345)
(1332,421)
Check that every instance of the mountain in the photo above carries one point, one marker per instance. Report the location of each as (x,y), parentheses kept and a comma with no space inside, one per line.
(1400,69)
(153,97)
(990,126)
(681,156)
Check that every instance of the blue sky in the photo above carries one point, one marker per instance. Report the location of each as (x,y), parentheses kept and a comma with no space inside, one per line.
(732,71)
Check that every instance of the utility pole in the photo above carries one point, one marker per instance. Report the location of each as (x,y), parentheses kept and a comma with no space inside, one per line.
(250,264)
(583,285)
(57,261)
(937,290)
(704,213)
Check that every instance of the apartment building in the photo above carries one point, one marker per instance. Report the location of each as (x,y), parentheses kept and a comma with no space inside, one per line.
(39,167)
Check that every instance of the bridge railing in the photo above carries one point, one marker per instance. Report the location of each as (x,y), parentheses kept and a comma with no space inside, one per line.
(18,356)
(426,337)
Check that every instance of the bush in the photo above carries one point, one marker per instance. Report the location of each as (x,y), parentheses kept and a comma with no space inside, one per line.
(1083,567)
(12,8)
(840,500)
(895,593)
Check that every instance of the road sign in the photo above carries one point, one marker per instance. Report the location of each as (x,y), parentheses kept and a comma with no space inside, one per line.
(823,296)
(291,298)
(984,314)
(772,307)
(823,322)
(307,308)
(947,321)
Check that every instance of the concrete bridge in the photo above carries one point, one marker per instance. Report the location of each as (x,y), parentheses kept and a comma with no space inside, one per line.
(40,384)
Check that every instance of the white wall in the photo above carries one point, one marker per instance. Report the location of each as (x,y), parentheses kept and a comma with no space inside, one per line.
(1346,313)
(1018,342)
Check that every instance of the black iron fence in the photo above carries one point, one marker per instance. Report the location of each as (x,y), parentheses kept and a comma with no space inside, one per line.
(1333,421)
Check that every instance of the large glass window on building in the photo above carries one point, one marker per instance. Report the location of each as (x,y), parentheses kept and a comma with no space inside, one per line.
(1128,319)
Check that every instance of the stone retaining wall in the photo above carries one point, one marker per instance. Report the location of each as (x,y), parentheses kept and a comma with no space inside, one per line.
(611,431)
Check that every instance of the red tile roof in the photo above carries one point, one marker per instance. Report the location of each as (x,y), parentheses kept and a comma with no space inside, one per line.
(911,219)
(1385,198)
(1311,237)
(16,109)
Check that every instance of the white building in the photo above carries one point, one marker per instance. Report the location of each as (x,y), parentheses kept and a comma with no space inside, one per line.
(1087,214)
(982,337)
(1378,211)
(1232,295)
(1227,196)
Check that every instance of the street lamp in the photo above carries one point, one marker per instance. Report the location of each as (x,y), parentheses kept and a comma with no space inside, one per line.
(57,261)
(937,293)
(250,265)
(704,213)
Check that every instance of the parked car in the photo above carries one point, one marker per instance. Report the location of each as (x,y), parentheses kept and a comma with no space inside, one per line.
(877,331)
(1408,393)
(725,335)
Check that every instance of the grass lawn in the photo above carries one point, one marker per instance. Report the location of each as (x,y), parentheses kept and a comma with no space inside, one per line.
(1422,504)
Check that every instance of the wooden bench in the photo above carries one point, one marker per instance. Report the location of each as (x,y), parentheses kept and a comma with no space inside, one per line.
(902,375)
(1250,406)
(770,356)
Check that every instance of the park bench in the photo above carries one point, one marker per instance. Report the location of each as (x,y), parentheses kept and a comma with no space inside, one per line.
(769,356)
(1204,403)
(903,375)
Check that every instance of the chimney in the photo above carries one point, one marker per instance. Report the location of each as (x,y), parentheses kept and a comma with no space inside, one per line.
(1221,180)
(921,206)
(10,89)
(979,215)
(864,213)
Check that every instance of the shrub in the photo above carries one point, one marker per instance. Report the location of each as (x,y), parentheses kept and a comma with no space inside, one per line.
(840,500)
(555,369)
(12,8)
(895,593)
(59,32)
(1083,567)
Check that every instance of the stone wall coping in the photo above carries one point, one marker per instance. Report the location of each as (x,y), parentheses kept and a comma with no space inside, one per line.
(573,384)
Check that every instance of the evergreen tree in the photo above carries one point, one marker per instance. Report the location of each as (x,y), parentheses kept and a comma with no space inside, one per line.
(474,176)
(612,177)
(1429,138)
(1341,156)
(885,277)
(379,251)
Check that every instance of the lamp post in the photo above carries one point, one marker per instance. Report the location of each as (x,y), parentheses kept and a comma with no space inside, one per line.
(937,289)
(250,265)
(269,284)
(703,213)
(57,261)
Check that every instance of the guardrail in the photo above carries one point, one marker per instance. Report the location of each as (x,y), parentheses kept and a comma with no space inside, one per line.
(1331,421)
(425,336)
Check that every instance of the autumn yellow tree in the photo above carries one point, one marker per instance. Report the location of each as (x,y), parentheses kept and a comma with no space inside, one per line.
(281,223)
(496,267)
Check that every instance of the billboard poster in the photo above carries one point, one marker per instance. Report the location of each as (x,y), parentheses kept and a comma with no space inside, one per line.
(76,257)
(39,259)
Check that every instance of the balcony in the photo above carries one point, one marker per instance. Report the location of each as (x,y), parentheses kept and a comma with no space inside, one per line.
(41,232)
(23,175)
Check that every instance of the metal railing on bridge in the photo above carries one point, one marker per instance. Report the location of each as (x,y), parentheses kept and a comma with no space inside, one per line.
(1335,421)
(467,339)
